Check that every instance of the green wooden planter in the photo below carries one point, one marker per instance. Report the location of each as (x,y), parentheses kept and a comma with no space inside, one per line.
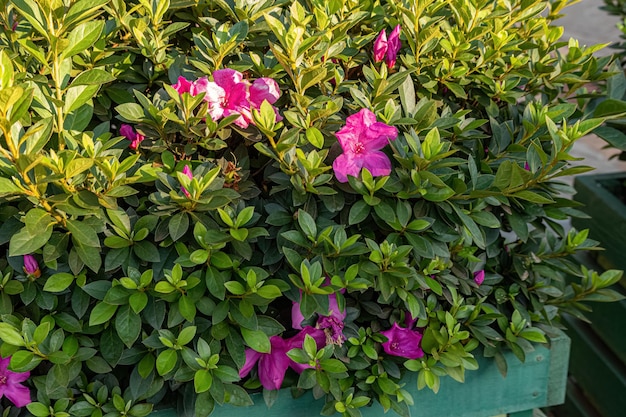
(608,216)
(538,382)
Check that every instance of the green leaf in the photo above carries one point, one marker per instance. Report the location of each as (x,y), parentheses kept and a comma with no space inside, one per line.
(533,197)
(58,282)
(130,112)
(82,37)
(9,187)
(83,233)
(358,212)
(31,12)
(8,334)
(307,223)
(101,313)
(138,301)
(187,308)
(89,255)
(24,243)
(178,225)
(257,340)
(6,70)
(75,97)
(38,409)
(37,220)
(202,380)
(166,361)
(93,77)
(610,107)
(315,137)
(77,166)
(128,325)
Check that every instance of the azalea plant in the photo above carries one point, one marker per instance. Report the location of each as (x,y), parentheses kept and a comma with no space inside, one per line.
(200,200)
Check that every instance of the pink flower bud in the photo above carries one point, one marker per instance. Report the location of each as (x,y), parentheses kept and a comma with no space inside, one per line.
(479,277)
(129,133)
(31,267)
(380,46)
(393,47)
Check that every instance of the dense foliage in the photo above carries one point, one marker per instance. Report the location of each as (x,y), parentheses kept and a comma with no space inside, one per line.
(162,228)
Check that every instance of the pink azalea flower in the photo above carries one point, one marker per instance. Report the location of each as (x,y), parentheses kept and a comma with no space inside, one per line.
(380,46)
(214,95)
(31,267)
(265,89)
(236,99)
(10,386)
(403,342)
(129,133)
(479,277)
(332,323)
(183,85)
(274,365)
(393,47)
(230,94)
(187,172)
(361,140)
(387,48)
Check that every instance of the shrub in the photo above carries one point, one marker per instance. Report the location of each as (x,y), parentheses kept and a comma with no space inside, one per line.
(178,179)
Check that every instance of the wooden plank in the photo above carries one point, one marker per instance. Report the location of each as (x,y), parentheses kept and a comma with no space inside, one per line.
(484,393)
(608,319)
(576,404)
(598,372)
(608,216)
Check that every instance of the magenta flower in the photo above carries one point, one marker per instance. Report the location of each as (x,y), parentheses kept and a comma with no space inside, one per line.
(10,386)
(387,48)
(274,365)
(403,342)
(332,323)
(183,85)
(479,277)
(230,94)
(263,89)
(361,139)
(526,166)
(380,46)
(129,133)
(393,47)
(188,173)
(236,98)
(31,267)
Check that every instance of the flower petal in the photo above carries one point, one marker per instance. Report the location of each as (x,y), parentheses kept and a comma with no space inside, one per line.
(378,135)
(296,316)
(380,46)
(183,85)
(393,47)
(272,366)
(17,394)
(403,342)
(213,92)
(264,89)
(377,163)
(252,356)
(333,308)
(345,165)
(128,132)
(227,78)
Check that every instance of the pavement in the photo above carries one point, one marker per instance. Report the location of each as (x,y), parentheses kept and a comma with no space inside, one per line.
(590,25)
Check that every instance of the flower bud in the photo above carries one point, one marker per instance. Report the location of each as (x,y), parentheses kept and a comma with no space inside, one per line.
(31,267)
